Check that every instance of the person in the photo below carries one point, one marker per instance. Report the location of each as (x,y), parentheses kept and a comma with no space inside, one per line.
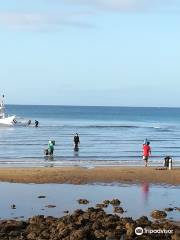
(36,123)
(76,141)
(146,152)
(15,121)
(50,148)
(29,122)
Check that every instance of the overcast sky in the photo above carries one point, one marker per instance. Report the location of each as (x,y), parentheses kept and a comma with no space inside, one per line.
(90,52)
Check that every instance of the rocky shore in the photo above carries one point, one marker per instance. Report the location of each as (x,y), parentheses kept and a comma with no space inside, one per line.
(94,223)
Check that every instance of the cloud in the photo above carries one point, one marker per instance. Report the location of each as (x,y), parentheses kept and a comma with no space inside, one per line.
(77,13)
(112,4)
(127,5)
(38,21)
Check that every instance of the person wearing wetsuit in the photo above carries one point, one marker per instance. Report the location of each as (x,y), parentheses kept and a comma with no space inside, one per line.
(29,122)
(36,123)
(76,141)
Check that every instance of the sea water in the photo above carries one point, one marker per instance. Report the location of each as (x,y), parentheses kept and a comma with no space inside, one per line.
(108,135)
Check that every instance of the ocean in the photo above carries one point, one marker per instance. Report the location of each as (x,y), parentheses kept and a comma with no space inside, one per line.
(109,136)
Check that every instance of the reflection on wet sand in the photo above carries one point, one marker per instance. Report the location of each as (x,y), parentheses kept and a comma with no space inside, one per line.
(145,191)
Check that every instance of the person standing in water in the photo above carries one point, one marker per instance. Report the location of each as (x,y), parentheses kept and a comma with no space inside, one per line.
(36,123)
(29,122)
(76,141)
(50,148)
(146,152)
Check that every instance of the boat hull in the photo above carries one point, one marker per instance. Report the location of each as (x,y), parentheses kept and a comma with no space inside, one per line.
(7,121)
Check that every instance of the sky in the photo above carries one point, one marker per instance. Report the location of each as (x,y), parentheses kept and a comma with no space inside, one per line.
(98,52)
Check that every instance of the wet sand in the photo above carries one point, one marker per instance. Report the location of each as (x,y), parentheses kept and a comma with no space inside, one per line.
(77,175)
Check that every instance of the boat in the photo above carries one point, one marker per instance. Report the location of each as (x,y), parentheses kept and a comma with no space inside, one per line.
(5,119)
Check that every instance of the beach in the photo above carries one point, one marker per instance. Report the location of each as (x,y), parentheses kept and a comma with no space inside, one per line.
(89,203)
(70,195)
(102,203)
(79,175)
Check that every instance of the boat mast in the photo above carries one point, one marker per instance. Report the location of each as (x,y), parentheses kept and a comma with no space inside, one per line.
(2,114)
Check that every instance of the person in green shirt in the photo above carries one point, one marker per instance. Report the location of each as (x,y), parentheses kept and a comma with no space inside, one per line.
(50,148)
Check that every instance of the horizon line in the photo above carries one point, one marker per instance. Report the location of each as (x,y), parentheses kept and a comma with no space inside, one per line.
(69,105)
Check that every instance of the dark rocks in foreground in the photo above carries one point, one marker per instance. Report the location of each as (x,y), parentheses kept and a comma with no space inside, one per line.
(115,202)
(83,225)
(158,214)
(118,210)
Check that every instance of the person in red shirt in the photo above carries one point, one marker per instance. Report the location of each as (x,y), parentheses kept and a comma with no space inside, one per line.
(146,152)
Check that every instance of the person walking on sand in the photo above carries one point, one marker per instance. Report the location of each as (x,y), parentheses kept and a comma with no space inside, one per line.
(76,141)
(146,152)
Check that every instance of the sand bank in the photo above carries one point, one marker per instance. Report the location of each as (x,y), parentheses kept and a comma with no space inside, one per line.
(77,175)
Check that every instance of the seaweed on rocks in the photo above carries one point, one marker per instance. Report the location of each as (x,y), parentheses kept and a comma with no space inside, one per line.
(91,224)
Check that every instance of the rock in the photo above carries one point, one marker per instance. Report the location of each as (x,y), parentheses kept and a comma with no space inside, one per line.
(32,236)
(64,232)
(78,234)
(83,201)
(107,202)
(81,221)
(111,238)
(86,215)
(176,235)
(12,225)
(66,211)
(118,210)
(158,214)
(78,212)
(101,205)
(115,202)
(37,220)
(45,234)
(143,221)
(110,234)
(93,223)
(13,206)
(177,208)
(130,229)
(41,196)
(14,233)
(96,225)
(50,206)
(99,234)
(168,209)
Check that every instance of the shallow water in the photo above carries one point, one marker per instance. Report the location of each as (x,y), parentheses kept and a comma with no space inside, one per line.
(109,135)
(138,200)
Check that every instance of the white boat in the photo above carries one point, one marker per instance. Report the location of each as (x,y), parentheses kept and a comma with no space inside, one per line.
(4,119)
